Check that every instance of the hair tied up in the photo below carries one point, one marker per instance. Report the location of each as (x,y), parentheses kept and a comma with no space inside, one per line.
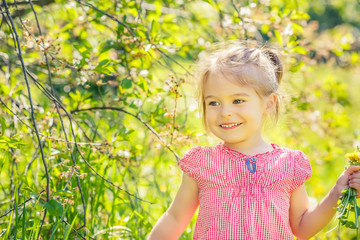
(275,60)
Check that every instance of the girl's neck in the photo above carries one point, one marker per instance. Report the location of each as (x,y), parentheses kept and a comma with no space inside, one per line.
(251,148)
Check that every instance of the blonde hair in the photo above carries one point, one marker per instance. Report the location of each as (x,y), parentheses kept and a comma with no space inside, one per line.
(257,67)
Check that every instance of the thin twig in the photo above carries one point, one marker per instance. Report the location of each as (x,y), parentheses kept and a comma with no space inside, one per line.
(85,3)
(29,95)
(49,137)
(71,124)
(11,32)
(42,223)
(76,230)
(38,2)
(173,60)
(13,29)
(109,182)
(59,114)
(18,3)
(241,19)
(27,200)
(14,114)
(135,116)
(34,156)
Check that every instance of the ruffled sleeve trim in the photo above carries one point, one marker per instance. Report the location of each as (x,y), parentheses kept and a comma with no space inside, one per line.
(190,162)
(302,170)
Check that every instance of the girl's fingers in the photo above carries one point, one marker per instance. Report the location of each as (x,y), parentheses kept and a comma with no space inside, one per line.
(354,178)
(350,178)
(352,169)
(355,184)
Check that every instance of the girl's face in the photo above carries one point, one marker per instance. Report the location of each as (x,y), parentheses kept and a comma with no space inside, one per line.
(235,113)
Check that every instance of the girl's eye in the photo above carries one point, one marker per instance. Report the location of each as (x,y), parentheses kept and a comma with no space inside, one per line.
(238,101)
(213,103)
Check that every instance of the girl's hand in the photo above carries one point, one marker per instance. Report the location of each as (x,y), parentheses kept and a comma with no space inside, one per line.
(349,178)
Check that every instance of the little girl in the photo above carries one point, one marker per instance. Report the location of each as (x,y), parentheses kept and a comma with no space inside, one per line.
(246,188)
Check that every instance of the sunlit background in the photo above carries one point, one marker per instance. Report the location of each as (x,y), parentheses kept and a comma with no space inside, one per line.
(114,103)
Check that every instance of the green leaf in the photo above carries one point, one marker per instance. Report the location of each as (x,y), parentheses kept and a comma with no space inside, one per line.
(126,83)
(298,15)
(75,96)
(10,142)
(265,28)
(3,124)
(303,106)
(296,67)
(350,224)
(154,28)
(297,29)
(64,193)
(278,37)
(84,48)
(300,50)
(4,89)
(104,67)
(108,44)
(103,63)
(54,207)
(8,228)
(68,228)
(208,1)
(143,84)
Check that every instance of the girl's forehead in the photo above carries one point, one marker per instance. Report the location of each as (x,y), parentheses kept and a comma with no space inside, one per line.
(221,80)
(246,76)
(221,84)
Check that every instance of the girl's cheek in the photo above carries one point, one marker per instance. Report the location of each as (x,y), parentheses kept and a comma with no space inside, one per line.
(211,110)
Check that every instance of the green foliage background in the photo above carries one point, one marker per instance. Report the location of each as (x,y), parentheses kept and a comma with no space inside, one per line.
(109,87)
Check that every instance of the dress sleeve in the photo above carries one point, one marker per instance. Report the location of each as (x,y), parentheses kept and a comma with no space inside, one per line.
(189,163)
(302,170)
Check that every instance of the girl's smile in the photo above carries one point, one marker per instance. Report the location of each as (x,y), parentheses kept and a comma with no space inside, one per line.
(229,125)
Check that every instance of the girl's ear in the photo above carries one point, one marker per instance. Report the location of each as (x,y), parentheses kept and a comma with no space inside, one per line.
(271,103)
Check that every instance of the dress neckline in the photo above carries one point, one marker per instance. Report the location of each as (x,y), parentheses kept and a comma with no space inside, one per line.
(229,151)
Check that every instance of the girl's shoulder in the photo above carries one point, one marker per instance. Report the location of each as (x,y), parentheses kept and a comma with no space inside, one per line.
(192,161)
(193,150)
(291,152)
(299,160)
(198,151)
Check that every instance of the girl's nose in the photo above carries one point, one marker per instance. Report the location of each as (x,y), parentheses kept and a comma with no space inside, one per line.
(226,112)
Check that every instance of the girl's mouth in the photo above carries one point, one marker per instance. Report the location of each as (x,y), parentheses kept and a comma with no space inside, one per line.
(229,125)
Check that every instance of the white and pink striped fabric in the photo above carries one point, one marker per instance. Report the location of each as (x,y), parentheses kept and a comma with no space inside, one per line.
(237,204)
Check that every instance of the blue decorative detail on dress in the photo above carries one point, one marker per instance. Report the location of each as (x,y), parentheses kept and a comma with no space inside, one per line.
(251,164)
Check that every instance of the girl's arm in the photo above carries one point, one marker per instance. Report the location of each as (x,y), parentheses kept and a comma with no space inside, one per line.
(306,222)
(175,220)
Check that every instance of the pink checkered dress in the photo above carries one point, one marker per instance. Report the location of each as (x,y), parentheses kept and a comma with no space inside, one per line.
(238,204)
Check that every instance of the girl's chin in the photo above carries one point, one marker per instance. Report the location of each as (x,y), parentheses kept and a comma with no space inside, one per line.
(232,141)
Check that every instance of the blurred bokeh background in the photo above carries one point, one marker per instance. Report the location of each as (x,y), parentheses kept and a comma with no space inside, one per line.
(98,102)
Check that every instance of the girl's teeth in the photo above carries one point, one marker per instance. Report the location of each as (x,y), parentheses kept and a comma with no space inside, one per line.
(230,125)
